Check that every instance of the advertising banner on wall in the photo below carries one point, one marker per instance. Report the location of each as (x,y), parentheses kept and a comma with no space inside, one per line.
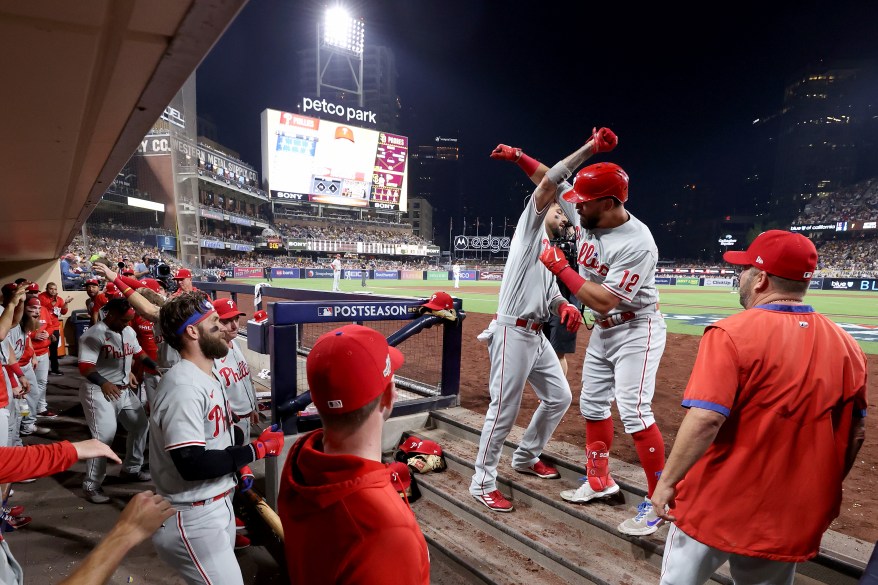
(468,275)
(858,284)
(248,272)
(815,284)
(664,280)
(285,273)
(490,275)
(385,275)
(712,281)
(354,274)
(411,275)
(318,273)
(438,275)
(688,280)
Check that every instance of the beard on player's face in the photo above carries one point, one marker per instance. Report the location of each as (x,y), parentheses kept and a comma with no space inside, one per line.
(212,342)
(745,287)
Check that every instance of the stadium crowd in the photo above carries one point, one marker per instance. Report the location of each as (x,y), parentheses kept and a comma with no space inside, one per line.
(849,258)
(349,234)
(857,202)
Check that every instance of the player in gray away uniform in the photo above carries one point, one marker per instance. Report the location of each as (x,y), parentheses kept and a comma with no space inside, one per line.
(234,372)
(105,354)
(167,355)
(192,452)
(617,258)
(520,353)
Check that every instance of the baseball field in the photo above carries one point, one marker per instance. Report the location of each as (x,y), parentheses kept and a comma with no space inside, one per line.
(687,309)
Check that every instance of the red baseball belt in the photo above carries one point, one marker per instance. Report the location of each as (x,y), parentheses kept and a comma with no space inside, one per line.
(528,324)
(213,499)
(617,319)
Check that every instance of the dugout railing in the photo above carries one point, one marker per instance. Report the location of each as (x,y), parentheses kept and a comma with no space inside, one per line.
(429,380)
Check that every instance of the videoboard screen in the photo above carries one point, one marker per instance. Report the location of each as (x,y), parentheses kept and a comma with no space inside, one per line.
(309,159)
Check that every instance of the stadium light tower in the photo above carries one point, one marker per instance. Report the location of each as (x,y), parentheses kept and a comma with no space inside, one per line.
(340,39)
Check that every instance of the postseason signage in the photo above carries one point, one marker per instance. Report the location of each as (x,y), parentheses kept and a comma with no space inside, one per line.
(309,159)
(492,244)
(858,284)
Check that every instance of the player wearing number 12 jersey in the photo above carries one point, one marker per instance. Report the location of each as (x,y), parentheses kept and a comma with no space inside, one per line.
(617,257)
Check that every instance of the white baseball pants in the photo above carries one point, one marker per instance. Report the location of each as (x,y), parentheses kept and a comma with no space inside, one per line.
(689,562)
(519,356)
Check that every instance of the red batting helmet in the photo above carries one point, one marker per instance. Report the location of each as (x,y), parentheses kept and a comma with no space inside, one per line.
(597,181)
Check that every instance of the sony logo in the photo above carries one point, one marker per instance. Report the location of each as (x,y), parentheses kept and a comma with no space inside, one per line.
(288,195)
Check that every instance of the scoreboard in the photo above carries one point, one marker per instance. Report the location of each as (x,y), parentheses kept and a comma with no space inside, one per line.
(310,159)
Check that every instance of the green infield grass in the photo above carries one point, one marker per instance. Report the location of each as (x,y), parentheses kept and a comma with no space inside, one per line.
(849,308)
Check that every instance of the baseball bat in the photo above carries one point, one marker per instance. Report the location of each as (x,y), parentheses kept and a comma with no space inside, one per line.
(270,516)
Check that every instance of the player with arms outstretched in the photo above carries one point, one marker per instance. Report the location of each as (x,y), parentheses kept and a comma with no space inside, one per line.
(616,280)
(520,353)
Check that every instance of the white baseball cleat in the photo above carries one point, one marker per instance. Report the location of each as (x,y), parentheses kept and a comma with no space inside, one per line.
(585,493)
(645,522)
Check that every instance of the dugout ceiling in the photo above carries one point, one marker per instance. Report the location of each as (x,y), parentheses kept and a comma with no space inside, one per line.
(83,82)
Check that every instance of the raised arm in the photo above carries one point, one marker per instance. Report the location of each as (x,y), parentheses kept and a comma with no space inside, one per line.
(603,140)
(143,307)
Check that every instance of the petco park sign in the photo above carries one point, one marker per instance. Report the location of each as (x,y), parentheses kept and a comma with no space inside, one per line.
(489,243)
(346,112)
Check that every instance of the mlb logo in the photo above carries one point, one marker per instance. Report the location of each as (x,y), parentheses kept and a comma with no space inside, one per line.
(335,404)
(324,311)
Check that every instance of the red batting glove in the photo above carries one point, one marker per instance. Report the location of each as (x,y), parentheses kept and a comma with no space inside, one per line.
(503,152)
(554,260)
(570,317)
(269,443)
(604,140)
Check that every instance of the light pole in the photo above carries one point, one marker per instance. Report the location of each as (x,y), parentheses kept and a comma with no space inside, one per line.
(341,37)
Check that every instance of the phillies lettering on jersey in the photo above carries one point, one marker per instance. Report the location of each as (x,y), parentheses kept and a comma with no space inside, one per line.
(108,351)
(220,417)
(588,258)
(230,376)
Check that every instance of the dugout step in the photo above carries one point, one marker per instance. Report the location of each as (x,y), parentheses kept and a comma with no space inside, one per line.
(474,555)
(569,552)
(841,560)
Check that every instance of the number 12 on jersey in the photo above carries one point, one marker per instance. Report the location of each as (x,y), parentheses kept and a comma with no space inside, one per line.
(626,283)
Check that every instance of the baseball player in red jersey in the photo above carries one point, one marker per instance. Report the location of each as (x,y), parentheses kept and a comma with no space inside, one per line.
(56,307)
(519,352)
(616,280)
(788,402)
(192,451)
(183,277)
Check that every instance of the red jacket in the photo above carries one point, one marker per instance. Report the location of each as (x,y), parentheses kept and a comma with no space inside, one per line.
(52,303)
(21,463)
(42,347)
(345,523)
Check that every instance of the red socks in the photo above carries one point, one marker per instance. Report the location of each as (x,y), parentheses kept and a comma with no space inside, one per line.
(651,450)
(599,431)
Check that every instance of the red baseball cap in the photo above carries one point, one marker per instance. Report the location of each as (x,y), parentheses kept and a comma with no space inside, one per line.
(781,253)
(92,281)
(440,300)
(127,272)
(32,302)
(226,309)
(9,288)
(260,316)
(150,283)
(350,367)
(33,287)
(111,289)
(183,273)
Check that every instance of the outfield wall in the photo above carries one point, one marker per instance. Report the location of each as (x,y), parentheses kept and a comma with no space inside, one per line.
(710,280)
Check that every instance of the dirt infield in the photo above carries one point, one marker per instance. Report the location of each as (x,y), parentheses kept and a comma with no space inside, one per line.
(860,487)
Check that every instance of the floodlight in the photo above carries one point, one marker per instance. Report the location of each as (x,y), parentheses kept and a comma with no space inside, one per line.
(342,31)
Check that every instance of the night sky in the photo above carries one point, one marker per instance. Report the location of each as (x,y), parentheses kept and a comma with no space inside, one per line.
(680,87)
